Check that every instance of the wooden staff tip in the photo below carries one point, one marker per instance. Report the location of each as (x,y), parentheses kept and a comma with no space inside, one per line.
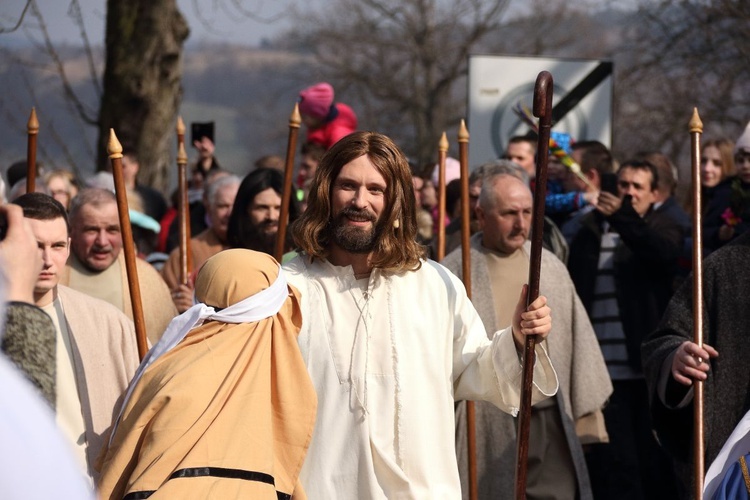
(114,148)
(33,124)
(180,126)
(182,157)
(463,132)
(443,144)
(542,94)
(295,119)
(696,125)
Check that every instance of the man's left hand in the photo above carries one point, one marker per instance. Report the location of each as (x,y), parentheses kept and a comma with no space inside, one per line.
(534,320)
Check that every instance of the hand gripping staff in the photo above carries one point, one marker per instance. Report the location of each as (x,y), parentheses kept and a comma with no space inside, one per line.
(696,129)
(543,111)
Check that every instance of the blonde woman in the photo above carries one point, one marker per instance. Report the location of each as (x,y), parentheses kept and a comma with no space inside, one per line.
(61,185)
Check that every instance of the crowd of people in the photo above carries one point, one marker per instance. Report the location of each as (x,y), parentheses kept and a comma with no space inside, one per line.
(341,371)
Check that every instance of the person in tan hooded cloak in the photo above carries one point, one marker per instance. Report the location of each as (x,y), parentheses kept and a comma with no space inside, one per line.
(222,406)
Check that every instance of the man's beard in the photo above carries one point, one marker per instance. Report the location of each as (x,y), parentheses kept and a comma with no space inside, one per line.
(258,238)
(354,239)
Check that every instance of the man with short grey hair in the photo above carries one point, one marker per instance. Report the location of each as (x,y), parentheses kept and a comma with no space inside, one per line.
(219,199)
(499,265)
(96,265)
(453,230)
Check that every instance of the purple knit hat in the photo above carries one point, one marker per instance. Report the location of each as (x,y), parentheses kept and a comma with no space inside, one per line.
(316,101)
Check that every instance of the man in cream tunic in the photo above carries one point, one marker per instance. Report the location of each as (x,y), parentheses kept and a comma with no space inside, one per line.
(390,340)
(94,351)
(97,266)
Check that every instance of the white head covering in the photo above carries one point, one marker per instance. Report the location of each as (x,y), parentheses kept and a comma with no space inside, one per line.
(261,305)
(743,143)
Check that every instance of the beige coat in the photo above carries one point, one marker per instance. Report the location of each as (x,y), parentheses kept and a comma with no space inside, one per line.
(105,358)
(572,345)
(158,308)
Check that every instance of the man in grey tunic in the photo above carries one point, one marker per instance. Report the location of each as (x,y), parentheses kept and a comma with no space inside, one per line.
(499,265)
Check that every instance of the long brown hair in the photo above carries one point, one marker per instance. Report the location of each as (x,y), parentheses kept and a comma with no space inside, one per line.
(396,248)
(726,151)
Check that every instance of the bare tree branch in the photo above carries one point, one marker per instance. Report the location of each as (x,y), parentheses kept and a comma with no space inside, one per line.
(86,114)
(20,19)
(75,12)
(403,59)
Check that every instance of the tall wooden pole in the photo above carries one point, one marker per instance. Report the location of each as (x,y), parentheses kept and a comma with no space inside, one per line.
(696,129)
(295,120)
(114,149)
(466,208)
(543,111)
(183,206)
(442,156)
(32,128)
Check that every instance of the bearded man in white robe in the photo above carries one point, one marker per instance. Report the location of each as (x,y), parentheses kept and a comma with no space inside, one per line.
(391,340)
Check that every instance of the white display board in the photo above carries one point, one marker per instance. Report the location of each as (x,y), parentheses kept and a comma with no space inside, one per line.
(498,83)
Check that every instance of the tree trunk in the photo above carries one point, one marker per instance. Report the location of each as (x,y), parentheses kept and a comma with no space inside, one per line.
(142,83)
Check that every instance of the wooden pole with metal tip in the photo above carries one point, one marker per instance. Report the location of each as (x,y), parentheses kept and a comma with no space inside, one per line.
(696,129)
(295,120)
(466,208)
(183,206)
(32,127)
(114,149)
(543,111)
(442,156)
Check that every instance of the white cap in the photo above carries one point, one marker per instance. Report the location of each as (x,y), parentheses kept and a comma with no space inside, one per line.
(743,143)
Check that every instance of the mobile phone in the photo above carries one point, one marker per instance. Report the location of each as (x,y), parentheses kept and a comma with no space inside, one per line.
(609,183)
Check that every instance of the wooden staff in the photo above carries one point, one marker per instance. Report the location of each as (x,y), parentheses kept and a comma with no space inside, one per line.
(183,206)
(463,158)
(543,111)
(32,127)
(442,156)
(114,149)
(696,129)
(294,122)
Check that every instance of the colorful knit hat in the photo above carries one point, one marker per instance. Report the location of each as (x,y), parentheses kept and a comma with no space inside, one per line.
(316,101)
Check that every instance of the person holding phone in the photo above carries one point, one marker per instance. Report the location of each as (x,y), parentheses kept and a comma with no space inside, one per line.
(623,261)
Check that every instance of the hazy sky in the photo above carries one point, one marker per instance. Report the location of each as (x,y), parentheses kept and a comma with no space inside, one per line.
(209,21)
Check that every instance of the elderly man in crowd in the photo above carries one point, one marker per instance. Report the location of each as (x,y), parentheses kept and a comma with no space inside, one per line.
(220,196)
(97,264)
(499,266)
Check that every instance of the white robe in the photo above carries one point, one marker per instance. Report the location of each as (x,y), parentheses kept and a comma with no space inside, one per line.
(422,346)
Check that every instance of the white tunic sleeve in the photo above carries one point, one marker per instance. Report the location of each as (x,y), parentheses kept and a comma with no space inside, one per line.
(492,370)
